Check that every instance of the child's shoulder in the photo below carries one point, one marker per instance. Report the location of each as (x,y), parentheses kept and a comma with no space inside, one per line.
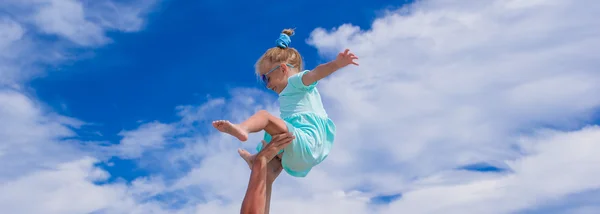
(301,73)
(296,82)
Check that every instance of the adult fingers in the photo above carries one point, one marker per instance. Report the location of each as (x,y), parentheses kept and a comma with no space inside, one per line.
(284,141)
(282,144)
(281,137)
(279,144)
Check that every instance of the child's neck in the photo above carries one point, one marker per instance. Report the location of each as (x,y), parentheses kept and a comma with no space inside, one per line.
(292,72)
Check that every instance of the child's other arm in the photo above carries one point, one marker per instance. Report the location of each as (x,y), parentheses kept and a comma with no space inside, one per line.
(324,70)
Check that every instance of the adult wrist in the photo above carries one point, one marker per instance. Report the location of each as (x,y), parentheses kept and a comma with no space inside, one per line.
(260,161)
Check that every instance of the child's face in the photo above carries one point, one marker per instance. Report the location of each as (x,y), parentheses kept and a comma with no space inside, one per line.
(276,79)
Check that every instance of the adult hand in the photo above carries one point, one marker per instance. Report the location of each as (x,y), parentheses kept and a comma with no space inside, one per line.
(264,172)
(274,168)
(278,142)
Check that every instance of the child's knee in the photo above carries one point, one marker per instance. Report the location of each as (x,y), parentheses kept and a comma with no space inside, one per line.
(263,112)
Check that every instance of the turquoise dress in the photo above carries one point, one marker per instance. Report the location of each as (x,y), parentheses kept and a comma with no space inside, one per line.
(302,110)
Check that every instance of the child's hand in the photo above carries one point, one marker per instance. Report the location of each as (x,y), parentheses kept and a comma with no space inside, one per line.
(345,58)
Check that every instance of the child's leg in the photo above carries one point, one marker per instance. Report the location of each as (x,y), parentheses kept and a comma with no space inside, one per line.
(262,120)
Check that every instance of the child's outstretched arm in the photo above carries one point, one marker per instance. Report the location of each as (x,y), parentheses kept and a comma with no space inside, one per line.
(324,70)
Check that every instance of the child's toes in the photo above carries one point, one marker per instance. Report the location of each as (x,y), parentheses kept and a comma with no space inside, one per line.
(219,124)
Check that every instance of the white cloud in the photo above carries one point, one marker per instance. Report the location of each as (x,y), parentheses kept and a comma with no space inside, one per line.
(29,134)
(11,34)
(42,165)
(52,18)
(11,31)
(559,164)
(466,80)
(82,22)
(149,136)
(87,21)
(450,83)
(55,190)
(127,16)
(68,23)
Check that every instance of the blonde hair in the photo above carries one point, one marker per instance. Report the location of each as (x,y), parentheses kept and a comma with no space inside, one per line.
(279,55)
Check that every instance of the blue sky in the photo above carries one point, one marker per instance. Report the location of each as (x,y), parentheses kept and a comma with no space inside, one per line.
(181,57)
(457,106)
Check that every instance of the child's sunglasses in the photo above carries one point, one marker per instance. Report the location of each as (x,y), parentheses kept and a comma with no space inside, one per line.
(264,76)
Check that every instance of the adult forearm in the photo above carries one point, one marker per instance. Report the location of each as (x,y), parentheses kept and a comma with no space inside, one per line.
(268,198)
(255,198)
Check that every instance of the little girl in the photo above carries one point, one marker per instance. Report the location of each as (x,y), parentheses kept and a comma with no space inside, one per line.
(300,104)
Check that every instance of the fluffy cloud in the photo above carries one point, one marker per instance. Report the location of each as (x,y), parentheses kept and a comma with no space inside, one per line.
(54,190)
(559,164)
(444,84)
(149,136)
(65,24)
(42,163)
(86,22)
(29,134)
(40,167)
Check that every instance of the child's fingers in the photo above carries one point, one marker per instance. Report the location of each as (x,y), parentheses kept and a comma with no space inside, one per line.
(264,143)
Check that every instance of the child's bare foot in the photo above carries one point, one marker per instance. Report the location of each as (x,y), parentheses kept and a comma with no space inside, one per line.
(249,158)
(232,129)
